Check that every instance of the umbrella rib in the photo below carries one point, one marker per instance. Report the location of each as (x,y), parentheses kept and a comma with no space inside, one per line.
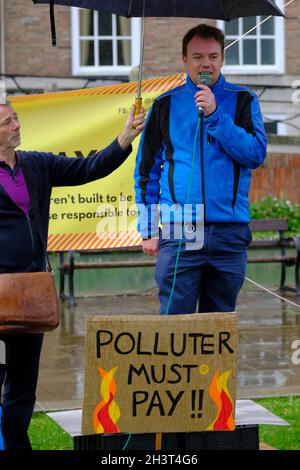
(129,8)
(224,10)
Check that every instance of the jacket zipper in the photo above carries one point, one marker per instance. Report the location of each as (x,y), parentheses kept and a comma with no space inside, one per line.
(202,164)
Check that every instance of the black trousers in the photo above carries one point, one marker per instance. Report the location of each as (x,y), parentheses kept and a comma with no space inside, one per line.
(19,387)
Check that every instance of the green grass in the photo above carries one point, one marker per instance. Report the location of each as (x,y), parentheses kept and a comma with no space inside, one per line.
(282,437)
(45,434)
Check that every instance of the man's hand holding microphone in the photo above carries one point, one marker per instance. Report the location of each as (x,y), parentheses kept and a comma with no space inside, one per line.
(205,99)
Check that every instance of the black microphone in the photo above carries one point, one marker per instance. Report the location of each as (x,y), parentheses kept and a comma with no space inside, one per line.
(204,79)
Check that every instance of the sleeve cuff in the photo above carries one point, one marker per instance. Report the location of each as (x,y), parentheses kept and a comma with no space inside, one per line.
(211,118)
(156,235)
(120,150)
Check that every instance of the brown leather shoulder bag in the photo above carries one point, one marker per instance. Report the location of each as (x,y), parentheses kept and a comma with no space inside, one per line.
(28,301)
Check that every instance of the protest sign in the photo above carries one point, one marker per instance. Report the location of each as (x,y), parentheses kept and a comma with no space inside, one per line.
(149,373)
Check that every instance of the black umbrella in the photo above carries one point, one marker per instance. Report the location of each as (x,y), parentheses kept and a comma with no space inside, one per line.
(214,9)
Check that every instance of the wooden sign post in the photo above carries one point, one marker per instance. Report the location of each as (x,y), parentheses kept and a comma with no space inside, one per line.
(149,373)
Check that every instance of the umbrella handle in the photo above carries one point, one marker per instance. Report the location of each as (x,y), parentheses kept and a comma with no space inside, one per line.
(138,106)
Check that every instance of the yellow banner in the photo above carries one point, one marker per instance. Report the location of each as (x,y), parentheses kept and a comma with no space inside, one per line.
(100,214)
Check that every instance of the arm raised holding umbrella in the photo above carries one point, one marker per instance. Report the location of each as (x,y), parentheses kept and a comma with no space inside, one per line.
(26,181)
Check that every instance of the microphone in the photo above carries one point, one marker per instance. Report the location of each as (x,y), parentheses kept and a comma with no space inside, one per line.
(204,79)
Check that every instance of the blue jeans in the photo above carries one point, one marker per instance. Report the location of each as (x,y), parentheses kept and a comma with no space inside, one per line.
(210,277)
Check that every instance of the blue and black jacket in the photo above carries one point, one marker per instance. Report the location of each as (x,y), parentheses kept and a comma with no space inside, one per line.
(21,249)
(231,143)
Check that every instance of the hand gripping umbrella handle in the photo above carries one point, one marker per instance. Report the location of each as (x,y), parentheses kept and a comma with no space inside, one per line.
(138,106)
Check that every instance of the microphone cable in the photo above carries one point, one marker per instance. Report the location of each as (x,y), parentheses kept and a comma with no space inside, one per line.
(199,120)
(204,78)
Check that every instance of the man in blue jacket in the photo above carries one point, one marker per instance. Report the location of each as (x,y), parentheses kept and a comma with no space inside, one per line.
(193,169)
(22,175)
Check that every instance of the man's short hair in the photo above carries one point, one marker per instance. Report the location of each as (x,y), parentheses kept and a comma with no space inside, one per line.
(203,31)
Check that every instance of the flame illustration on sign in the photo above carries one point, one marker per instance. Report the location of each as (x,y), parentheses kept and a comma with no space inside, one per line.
(107,412)
(218,391)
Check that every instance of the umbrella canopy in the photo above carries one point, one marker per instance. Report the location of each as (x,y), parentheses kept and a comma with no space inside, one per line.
(214,9)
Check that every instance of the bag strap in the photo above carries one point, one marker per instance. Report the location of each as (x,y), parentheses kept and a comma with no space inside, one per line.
(36,209)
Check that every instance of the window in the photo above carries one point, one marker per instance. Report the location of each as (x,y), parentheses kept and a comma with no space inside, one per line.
(274,124)
(104,44)
(261,51)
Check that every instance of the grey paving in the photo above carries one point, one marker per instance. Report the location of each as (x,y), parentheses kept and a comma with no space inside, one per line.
(246,413)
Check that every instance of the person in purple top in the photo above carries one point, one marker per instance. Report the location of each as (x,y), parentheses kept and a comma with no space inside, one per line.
(22,250)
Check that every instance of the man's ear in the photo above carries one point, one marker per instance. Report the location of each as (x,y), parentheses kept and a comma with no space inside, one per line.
(223,58)
(184,59)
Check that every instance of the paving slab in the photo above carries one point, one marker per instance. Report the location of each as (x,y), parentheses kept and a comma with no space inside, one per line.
(247,412)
